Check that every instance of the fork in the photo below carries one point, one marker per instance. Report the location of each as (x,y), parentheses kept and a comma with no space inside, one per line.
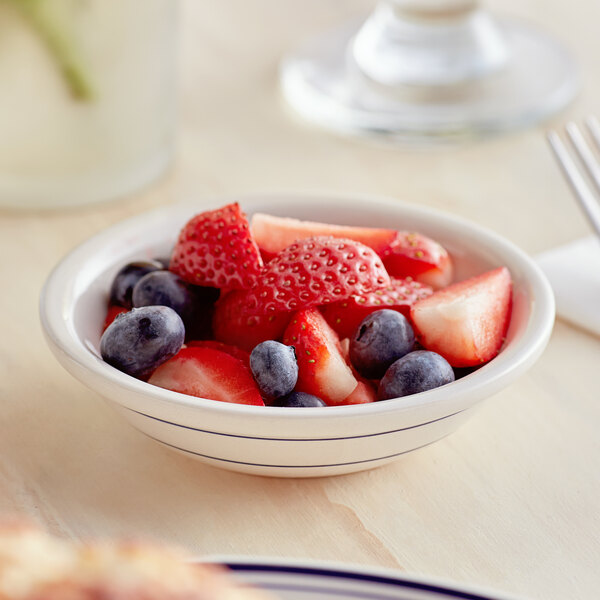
(587,198)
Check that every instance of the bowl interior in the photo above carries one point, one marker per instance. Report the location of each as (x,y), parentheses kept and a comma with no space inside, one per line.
(78,289)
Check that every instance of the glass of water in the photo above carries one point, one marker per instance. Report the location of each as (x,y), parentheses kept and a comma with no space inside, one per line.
(429,70)
(87,109)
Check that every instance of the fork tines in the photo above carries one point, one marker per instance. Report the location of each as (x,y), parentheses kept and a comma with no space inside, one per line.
(584,193)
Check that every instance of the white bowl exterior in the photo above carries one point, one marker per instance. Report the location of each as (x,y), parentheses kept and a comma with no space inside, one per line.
(311,457)
(275,441)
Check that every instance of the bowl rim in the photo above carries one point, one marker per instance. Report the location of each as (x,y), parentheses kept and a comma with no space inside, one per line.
(55,306)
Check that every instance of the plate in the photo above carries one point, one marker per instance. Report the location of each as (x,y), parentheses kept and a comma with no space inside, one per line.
(328,581)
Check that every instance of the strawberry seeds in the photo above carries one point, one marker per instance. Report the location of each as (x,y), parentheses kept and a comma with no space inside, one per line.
(325,297)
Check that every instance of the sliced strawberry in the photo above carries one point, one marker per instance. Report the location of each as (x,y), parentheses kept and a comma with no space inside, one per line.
(208,373)
(112,313)
(228,348)
(317,271)
(344,347)
(363,393)
(236,321)
(346,315)
(215,248)
(322,370)
(417,256)
(466,322)
(273,234)
(267,256)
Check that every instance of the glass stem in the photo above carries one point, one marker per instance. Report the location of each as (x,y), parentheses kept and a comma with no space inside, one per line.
(437,9)
(428,43)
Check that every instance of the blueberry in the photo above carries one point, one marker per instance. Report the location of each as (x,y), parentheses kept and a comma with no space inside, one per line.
(300,400)
(164,261)
(416,372)
(140,340)
(274,368)
(126,278)
(383,337)
(191,302)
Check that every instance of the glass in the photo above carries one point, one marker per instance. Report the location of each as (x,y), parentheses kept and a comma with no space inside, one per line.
(429,70)
(87,109)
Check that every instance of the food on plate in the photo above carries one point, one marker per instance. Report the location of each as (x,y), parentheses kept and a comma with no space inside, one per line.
(208,373)
(193,303)
(228,348)
(404,253)
(322,369)
(300,400)
(346,315)
(140,340)
(317,271)
(111,314)
(415,372)
(467,321)
(273,234)
(414,255)
(275,369)
(37,566)
(381,339)
(238,321)
(292,313)
(216,249)
(125,280)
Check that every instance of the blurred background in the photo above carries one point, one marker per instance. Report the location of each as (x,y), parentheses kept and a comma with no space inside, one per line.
(186,102)
(109,108)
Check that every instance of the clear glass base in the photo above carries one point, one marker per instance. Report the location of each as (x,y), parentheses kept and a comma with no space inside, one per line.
(324,84)
(60,193)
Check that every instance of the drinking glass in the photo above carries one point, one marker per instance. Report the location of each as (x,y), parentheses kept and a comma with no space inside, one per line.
(429,70)
(87,109)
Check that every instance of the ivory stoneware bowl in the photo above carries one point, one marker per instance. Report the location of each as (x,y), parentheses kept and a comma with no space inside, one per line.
(276,441)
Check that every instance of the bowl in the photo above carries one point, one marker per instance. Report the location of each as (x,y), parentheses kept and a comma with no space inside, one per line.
(277,441)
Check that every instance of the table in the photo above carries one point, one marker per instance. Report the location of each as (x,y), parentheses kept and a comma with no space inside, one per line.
(509,501)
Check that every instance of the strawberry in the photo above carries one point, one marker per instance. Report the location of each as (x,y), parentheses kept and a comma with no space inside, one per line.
(112,313)
(417,256)
(346,315)
(208,373)
(227,348)
(215,249)
(363,393)
(236,321)
(344,347)
(466,322)
(266,256)
(317,271)
(273,234)
(405,254)
(322,370)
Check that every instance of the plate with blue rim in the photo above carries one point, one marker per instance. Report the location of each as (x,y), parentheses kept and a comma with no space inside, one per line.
(311,580)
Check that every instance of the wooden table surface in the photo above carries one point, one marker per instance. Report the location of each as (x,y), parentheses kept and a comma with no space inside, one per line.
(510,501)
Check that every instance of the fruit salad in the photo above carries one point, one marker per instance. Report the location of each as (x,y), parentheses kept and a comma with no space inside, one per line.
(281,312)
